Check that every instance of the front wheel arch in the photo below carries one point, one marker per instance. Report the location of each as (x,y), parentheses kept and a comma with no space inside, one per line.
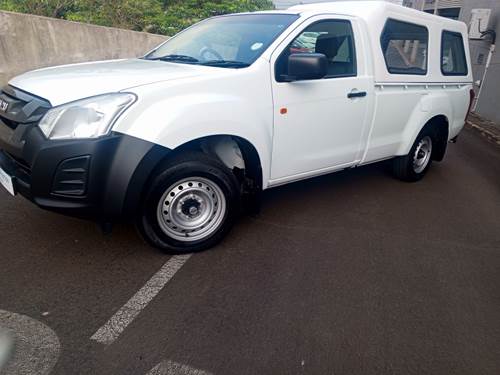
(250,177)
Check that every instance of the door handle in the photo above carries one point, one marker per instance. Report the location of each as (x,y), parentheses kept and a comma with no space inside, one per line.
(357,94)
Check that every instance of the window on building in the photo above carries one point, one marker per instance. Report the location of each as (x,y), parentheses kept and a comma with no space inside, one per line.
(452,13)
(480,59)
(453,61)
(333,38)
(404,46)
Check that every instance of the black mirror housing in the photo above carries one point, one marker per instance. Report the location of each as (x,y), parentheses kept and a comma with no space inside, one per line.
(302,66)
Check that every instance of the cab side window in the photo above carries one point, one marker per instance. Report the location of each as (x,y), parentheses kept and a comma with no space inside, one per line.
(332,38)
(404,46)
(453,61)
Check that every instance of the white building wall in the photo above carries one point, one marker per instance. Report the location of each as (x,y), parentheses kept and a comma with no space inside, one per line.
(284,4)
(430,5)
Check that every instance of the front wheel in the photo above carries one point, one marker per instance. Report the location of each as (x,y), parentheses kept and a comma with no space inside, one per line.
(414,166)
(191,205)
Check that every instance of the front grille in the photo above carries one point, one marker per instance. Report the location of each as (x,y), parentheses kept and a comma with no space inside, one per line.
(19,113)
(11,124)
(23,108)
(17,119)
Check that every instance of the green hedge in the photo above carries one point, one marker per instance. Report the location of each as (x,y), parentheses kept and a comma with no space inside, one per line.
(155,16)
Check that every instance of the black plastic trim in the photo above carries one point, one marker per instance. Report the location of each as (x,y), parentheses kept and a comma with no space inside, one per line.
(71,177)
(353,95)
(117,170)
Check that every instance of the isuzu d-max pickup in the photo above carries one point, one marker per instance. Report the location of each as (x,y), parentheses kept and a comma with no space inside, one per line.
(177,140)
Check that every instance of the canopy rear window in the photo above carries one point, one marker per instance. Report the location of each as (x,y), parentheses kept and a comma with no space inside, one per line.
(453,61)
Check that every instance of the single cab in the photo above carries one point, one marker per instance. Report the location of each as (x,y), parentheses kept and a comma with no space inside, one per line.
(181,139)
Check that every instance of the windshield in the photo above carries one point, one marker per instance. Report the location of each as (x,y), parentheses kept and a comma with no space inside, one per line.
(234,41)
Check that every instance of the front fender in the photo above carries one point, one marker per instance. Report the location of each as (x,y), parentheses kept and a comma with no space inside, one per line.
(200,111)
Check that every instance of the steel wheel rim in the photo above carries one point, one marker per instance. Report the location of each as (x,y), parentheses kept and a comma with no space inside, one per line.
(191,209)
(422,154)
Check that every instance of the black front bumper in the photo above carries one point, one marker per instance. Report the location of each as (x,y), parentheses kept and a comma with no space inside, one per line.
(99,178)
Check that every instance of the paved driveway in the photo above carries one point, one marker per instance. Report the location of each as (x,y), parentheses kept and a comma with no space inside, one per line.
(352,273)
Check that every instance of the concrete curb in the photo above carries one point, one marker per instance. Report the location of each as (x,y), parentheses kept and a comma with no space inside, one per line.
(485,128)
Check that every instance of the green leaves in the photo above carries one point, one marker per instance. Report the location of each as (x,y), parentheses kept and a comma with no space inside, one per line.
(48,8)
(156,16)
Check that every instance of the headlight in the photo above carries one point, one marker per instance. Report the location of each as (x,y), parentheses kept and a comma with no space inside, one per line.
(87,118)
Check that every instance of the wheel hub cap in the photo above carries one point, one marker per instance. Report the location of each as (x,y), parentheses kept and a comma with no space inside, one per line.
(422,154)
(191,209)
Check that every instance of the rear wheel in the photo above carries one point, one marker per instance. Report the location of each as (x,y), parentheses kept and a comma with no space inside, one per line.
(414,166)
(191,205)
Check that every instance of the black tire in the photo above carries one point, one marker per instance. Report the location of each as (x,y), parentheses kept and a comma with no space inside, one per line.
(404,166)
(189,166)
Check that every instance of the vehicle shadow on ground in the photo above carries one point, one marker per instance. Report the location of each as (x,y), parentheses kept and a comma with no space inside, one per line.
(32,227)
(329,183)
(27,226)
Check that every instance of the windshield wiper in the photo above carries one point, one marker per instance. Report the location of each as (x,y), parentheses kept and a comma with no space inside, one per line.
(180,58)
(226,63)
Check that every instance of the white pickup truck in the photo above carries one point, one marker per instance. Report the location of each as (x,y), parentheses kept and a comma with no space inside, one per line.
(232,106)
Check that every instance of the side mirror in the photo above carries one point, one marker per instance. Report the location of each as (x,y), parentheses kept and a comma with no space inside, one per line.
(302,66)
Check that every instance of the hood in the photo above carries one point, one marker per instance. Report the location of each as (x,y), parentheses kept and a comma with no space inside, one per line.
(63,84)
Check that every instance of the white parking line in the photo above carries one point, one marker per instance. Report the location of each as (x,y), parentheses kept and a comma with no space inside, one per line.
(110,331)
(173,368)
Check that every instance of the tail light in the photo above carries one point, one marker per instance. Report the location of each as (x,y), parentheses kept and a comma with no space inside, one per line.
(472,95)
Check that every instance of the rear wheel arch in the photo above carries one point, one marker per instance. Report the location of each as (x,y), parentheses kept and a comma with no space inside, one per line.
(429,144)
(440,128)
(438,122)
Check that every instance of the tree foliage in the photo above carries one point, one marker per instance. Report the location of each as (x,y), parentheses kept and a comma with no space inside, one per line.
(48,8)
(156,16)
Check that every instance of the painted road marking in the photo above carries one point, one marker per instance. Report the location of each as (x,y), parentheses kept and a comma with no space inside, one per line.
(35,346)
(110,331)
(173,368)
(6,347)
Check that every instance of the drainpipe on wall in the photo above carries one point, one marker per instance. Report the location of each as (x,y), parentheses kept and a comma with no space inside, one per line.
(488,62)
(436,7)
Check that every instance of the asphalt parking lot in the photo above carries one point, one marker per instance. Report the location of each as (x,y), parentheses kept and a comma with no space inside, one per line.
(351,273)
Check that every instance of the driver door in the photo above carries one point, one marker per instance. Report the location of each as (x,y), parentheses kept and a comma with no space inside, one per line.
(319,123)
